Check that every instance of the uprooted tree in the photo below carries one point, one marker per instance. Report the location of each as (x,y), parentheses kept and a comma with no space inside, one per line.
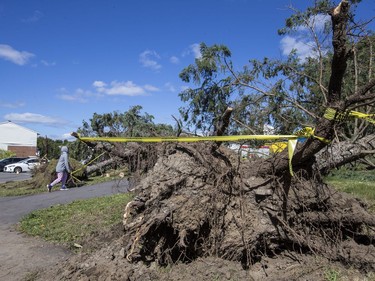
(201,199)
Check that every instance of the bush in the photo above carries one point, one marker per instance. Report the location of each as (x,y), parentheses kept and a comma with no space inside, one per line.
(6,154)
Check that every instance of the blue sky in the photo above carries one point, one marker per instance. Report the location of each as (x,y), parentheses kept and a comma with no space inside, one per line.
(61,61)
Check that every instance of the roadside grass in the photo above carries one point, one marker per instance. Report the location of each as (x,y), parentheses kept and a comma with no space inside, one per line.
(360,184)
(28,187)
(18,188)
(72,223)
(331,273)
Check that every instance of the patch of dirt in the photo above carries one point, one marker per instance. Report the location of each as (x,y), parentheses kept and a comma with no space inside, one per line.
(110,263)
(24,258)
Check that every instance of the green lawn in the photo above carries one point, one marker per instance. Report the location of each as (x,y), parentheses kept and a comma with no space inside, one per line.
(358,183)
(71,223)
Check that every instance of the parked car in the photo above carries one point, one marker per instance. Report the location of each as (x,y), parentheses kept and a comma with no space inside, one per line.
(23,166)
(10,160)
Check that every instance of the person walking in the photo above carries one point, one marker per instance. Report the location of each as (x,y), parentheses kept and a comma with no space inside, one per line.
(62,170)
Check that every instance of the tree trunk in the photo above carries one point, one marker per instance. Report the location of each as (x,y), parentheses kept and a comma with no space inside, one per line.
(324,128)
(344,152)
(101,165)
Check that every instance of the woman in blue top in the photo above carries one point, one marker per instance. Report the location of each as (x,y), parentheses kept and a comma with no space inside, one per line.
(62,170)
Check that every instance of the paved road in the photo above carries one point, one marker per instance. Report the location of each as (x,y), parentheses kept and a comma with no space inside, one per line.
(12,209)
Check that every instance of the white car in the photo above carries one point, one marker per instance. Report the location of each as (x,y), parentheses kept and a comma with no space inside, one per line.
(23,166)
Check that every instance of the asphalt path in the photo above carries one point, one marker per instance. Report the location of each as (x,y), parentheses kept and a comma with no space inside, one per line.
(12,209)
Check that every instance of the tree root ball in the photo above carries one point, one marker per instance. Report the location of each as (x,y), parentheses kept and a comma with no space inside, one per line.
(200,200)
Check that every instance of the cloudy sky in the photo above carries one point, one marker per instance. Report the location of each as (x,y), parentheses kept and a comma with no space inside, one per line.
(62,61)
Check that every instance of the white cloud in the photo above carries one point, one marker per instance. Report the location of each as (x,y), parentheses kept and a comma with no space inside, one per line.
(99,84)
(149,59)
(151,88)
(28,117)
(174,60)
(16,104)
(68,136)
(124,88)
(80,95)
(37,15)
(127,88)
(46,63)
(302,42)
(17,57)
(69,98)
(195,48)
(318,23)
(303,49)
(170,87)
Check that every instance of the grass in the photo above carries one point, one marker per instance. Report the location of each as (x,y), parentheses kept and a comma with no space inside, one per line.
(331,274)
(360,184)
(18,189)
(72,223)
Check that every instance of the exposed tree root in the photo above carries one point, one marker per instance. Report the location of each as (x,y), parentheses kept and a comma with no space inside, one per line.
(197,202)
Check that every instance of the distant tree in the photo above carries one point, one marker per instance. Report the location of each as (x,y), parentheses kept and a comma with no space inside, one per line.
(6,153)
(49,148)
(131,123)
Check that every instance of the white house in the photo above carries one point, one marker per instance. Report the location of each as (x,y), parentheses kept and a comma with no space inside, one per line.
(20,140)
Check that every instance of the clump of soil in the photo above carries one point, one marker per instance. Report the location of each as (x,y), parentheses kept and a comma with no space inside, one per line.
(201,211)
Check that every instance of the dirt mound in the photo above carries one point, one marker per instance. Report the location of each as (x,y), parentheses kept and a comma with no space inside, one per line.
(109,263)
(205,212)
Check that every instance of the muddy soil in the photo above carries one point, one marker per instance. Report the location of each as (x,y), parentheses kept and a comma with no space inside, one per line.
(110,263)
(29,258)
(23,257)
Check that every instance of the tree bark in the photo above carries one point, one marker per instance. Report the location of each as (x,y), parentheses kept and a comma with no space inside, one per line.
(344,152)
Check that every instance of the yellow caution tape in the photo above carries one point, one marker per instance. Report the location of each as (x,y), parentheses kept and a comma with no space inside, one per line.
(276,147)
(292,143)
(189,139)
(331,114)
(292,139)
(367,117)
(310,132)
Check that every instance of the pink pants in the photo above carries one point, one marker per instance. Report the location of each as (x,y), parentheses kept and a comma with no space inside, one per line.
(62,176)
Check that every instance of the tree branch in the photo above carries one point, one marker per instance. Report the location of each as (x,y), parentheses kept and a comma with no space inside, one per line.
(363,94)
(224,122)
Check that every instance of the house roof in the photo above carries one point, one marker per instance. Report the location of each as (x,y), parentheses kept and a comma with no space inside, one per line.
(10,123)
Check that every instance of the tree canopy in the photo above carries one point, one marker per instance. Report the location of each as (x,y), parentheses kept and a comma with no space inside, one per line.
(287,94)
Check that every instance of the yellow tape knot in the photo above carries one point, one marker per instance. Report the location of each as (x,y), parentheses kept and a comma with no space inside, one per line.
(332,114)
